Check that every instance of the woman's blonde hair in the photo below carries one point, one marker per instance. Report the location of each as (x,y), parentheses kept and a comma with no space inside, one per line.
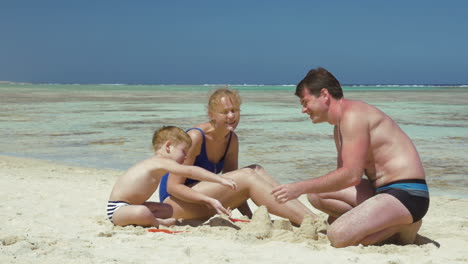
(171,133)
(215,98)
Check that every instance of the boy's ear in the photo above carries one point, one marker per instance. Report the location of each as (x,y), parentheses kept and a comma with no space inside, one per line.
(167,146)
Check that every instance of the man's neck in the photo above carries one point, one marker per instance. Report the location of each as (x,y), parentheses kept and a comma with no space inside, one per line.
(335,111)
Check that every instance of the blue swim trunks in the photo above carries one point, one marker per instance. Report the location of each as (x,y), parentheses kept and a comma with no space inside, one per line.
(413,194)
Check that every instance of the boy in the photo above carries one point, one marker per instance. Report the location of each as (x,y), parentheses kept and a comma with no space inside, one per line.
(128,203)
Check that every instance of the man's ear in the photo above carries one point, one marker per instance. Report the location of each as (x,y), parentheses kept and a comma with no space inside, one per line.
(325,94)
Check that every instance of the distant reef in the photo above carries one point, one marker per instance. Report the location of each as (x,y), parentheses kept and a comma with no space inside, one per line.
(9,82)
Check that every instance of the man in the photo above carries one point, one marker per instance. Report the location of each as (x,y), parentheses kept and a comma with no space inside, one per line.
(394,197)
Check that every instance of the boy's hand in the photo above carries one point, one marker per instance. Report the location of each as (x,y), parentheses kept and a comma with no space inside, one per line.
(228,182)
(218,206)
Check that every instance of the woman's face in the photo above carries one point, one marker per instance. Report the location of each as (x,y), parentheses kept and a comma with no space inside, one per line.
(225,114)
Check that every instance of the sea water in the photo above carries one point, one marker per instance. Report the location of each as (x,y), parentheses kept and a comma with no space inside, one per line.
(111,126)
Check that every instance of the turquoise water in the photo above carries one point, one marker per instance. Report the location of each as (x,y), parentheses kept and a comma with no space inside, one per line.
(110,126)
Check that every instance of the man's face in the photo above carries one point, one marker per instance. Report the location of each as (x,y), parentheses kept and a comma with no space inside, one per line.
(313,106)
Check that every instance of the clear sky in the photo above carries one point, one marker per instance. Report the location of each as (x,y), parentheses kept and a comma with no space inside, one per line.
(233,42)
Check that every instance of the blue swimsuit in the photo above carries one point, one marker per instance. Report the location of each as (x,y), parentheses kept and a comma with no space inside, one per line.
(413,194)
(200,161)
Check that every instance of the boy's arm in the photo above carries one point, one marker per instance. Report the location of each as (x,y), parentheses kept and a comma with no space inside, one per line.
(196,173)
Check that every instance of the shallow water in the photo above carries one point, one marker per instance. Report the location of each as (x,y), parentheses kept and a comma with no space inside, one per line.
(112,126)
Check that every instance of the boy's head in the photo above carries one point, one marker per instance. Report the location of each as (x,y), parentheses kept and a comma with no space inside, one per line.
(170,133)
(316,80)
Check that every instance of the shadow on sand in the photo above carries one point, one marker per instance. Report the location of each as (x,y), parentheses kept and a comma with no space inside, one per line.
(214,221)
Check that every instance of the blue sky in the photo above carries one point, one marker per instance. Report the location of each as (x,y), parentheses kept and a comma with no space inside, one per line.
(233,42)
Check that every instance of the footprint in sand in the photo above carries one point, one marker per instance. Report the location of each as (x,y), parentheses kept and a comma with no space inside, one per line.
(10,240)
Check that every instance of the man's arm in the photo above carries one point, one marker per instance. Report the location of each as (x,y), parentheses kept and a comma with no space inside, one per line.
(354,151)
(338,140)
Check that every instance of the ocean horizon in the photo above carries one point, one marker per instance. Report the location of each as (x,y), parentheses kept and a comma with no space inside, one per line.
(110,126)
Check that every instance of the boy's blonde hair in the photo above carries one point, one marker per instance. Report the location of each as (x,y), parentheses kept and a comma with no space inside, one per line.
(216,96)
(171,133)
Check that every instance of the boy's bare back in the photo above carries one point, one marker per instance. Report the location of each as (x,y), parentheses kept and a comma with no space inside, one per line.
(140,182)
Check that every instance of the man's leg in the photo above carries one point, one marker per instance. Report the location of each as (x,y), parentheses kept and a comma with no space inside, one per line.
(337,203)
(374,220)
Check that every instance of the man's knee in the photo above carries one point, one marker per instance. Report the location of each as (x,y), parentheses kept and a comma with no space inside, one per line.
(338,236)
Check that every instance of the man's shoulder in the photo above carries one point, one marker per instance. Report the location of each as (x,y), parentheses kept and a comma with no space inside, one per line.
(360,109)
(357,114)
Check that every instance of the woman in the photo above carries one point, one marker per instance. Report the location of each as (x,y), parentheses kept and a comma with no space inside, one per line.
(215,147)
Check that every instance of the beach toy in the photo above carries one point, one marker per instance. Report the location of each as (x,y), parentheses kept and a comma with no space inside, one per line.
(167,231)
(238,220)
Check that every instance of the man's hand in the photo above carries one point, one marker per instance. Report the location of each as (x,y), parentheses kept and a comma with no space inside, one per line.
(287,192)
(228,182)
(218,206)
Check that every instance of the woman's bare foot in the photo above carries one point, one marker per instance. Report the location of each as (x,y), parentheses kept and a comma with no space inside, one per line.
(167,221)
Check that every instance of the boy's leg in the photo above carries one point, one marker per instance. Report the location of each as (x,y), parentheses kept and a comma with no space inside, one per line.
(250,185)
(159,210)
(374,220)
(162,212)
(140,215)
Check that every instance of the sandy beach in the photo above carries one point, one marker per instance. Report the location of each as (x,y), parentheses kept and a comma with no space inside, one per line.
(54,213)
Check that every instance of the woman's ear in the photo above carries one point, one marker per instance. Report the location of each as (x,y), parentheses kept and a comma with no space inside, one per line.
(210,115)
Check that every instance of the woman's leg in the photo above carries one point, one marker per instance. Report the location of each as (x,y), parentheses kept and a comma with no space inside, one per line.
(296,204)
(253,183)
